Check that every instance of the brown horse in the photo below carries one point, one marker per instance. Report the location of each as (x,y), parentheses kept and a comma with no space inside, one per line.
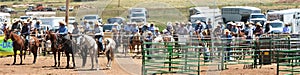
(136,41)
(53,38)
(33,46)
(18,44)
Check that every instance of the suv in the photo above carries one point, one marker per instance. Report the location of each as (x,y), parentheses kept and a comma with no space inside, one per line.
(92,18)
(138,15)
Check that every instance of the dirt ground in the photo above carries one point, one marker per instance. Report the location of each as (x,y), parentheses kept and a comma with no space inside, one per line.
(44,67)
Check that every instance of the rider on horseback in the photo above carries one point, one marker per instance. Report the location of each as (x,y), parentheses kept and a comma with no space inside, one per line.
(62,30)
(16,26)
(25,32)
(99,34)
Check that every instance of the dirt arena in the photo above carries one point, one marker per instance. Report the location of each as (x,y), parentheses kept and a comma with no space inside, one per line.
(44,67)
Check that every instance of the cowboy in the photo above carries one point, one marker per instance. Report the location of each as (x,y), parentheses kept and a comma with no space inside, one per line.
(25,32)
(249,32)
(152,28)
(16,26)
(87,26)
(116,26)
(258,30)
(199,27)
(286,29)
(190,28)
(62,30)
(156,32)
(76,31)
(233,28)
(127,28)
(148,38)
(169,27)
(99,35)
(268,27)
(218,31)
(228,38)
(182,30)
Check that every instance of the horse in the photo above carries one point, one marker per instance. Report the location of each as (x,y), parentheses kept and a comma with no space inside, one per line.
(33,46)
(109,47)
(18,44)
(136,41)
(53,38)
(88,46)
(66,45)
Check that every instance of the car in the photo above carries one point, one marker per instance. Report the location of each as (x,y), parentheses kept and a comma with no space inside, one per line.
(9,10)
(91,18)
(63,8)
(107,27)
(24,18)
(119,20)
(277,26)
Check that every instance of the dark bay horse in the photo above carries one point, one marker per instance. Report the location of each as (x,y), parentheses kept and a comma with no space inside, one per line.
(53,38)
(66,46)
(18,44)
(58,45)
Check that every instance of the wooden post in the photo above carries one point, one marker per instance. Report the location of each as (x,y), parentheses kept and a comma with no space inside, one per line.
(67,12)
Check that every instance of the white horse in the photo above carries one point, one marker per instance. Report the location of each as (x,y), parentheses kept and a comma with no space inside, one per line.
(110,46)
(88,46)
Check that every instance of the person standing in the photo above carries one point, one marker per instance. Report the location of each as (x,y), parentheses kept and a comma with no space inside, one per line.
(190,28)
(218,31)
(258,30)
(182,30)
(199,27)
(286,29)
(268,28)
(148,38)
(228,39)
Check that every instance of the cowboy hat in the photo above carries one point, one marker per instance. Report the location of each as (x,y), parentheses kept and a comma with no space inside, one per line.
(156,28)
(149,32)
(229,22)
(198,21)
(258,24)
(61,22)
(226,30)
(116,24)
(234,24)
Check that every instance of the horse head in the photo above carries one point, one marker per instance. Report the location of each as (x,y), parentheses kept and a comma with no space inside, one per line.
(8,35)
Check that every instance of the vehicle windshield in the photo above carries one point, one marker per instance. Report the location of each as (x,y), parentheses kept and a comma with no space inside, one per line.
(25,17)
(107,27)
(137,20)
(113,20)
(258,16)
(276,25)
(71,18)
(138,15)
(90,17)
(202,19)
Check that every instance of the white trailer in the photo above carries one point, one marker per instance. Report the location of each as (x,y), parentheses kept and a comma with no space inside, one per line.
(290,16)
(241,13)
